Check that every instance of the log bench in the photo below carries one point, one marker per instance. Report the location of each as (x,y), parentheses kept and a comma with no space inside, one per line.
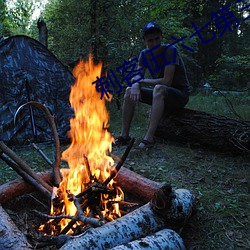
(211,131)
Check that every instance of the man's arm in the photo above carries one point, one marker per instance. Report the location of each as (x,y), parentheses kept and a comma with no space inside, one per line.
(166,80)
(135,92)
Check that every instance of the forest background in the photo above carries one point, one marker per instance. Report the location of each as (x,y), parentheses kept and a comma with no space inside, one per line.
(111,30)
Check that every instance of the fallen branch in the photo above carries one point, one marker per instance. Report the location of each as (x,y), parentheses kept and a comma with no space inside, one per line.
(120,163)
(18,187)
(23,165)
(26,176)
(212,131)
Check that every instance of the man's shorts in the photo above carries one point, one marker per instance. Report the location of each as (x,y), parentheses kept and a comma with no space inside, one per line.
(174,100)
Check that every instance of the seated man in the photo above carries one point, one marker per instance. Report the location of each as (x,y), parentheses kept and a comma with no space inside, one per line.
(168,89)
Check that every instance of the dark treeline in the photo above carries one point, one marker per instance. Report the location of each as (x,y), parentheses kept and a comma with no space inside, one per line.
(111,30)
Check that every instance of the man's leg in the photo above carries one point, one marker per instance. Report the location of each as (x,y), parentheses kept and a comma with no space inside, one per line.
(157,111)
(128,110)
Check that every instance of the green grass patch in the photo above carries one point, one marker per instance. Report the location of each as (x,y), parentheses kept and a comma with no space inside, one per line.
(233,106)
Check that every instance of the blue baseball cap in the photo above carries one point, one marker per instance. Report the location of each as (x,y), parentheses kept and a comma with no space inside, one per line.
(150,26)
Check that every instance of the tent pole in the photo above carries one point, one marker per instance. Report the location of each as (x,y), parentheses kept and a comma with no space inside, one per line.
(33,125)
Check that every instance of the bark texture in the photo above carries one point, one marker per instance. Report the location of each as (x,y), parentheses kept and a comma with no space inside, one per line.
(43,32)
(212,131)
(139,223)
(162,240)
(167,209)
(10,237)
(15,188)
(140,187)
(131,182)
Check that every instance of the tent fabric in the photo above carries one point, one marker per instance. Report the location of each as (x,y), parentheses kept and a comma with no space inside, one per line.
(29,71)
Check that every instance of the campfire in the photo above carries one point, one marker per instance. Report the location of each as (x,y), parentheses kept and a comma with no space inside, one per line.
(87,188)
(87,198)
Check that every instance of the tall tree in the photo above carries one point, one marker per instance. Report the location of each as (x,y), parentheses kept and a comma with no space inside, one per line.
(20,14)
(4,20)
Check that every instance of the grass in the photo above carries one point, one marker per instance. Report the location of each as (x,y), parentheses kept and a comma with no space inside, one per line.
(234,106)
(219,180)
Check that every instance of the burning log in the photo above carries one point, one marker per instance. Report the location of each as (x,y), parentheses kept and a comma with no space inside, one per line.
(120,163)
(163,239)
(138,223)
(10,237)
(80,217)
(165,210)
(216,132)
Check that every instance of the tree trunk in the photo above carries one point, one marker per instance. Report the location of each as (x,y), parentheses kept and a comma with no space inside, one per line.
(10,237)
(43,32)
(212,131)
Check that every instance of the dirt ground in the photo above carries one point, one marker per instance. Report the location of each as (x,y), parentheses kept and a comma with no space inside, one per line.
(220,182)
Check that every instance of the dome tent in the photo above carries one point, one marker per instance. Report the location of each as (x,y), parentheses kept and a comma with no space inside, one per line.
(29,71)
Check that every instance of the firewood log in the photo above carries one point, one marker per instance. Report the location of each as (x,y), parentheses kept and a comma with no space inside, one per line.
(131,182)
(210,131)
(136,185)
(18,187)
(163,239)
(150,218)
(10,237)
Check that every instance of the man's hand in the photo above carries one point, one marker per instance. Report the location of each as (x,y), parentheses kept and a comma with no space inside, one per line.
(135,92)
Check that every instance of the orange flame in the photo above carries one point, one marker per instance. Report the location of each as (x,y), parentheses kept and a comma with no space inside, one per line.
(90,139)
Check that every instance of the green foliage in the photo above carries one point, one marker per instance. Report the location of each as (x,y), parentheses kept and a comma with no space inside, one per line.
(20,16)
(4,24)
(111,30)
(232,72)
